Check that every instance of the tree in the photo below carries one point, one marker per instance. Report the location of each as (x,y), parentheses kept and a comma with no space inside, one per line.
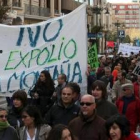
(133,33)
(111,36)
(96,29)
(127,39)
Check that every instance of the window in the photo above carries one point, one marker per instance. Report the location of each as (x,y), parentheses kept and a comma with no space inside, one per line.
(122,7)
(114,6)
(127,21)
(48,3)
(116,11)
(17,3)
(4,2)
(127,12)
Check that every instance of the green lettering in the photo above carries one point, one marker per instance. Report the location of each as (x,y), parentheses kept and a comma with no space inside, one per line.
(10,60)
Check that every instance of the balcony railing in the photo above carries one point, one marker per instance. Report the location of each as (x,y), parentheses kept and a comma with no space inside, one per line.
(38,11)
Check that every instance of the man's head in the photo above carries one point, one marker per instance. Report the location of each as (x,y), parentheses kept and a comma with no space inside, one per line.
(103,59)
(107,71)
(88,68)
(62,78)
(67,95)
(121,75)
(87,105)
(128,89)
(76,90)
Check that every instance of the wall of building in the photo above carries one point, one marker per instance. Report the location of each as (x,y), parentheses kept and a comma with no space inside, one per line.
(128,13)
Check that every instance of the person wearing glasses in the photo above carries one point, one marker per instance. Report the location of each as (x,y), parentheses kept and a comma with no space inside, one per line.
(7,132)
(118,128)
(34,127)
(88,126)
(104,108)
(129,105)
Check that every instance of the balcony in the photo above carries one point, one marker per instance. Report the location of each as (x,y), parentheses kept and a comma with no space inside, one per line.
(37,11)
(16,4)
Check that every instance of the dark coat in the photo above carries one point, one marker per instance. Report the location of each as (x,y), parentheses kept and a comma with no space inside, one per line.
(59,114)
(9,134)
(44,101)
(88,129)
(105,109)
(107,80)
(14,115)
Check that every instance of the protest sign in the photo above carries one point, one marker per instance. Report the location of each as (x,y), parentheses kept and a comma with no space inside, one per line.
(93,57)
(127,49)
(56,45)
(136,70)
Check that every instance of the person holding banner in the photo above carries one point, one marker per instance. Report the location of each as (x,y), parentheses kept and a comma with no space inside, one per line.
(43,91)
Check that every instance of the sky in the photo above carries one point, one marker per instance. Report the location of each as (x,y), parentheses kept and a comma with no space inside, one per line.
(119,1)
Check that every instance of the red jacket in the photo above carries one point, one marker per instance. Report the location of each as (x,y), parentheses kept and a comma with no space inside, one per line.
(132,111)
(136,89)
(132,136)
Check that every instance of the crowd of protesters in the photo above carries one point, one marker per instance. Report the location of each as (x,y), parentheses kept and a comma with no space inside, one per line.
(110,110)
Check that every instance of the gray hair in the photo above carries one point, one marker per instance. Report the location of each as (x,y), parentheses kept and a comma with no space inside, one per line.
(107,68)
(90,96)
(3,109)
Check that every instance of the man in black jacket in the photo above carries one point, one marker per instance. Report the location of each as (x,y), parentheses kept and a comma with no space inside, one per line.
(63,111)
(108,77)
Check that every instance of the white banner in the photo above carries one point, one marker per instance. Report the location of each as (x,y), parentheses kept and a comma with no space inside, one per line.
(59,46)
(127,49)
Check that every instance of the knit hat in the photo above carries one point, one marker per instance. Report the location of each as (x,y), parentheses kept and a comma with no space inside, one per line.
(128,86)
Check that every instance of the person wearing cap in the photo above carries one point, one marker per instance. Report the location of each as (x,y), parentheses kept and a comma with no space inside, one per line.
(129,105)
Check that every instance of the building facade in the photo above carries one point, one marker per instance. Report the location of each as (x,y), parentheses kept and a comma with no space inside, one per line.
(33,11)
(129,14)
(138,1)
(103,19)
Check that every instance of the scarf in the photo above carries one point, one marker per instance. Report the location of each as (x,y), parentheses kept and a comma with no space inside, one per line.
(4,125)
